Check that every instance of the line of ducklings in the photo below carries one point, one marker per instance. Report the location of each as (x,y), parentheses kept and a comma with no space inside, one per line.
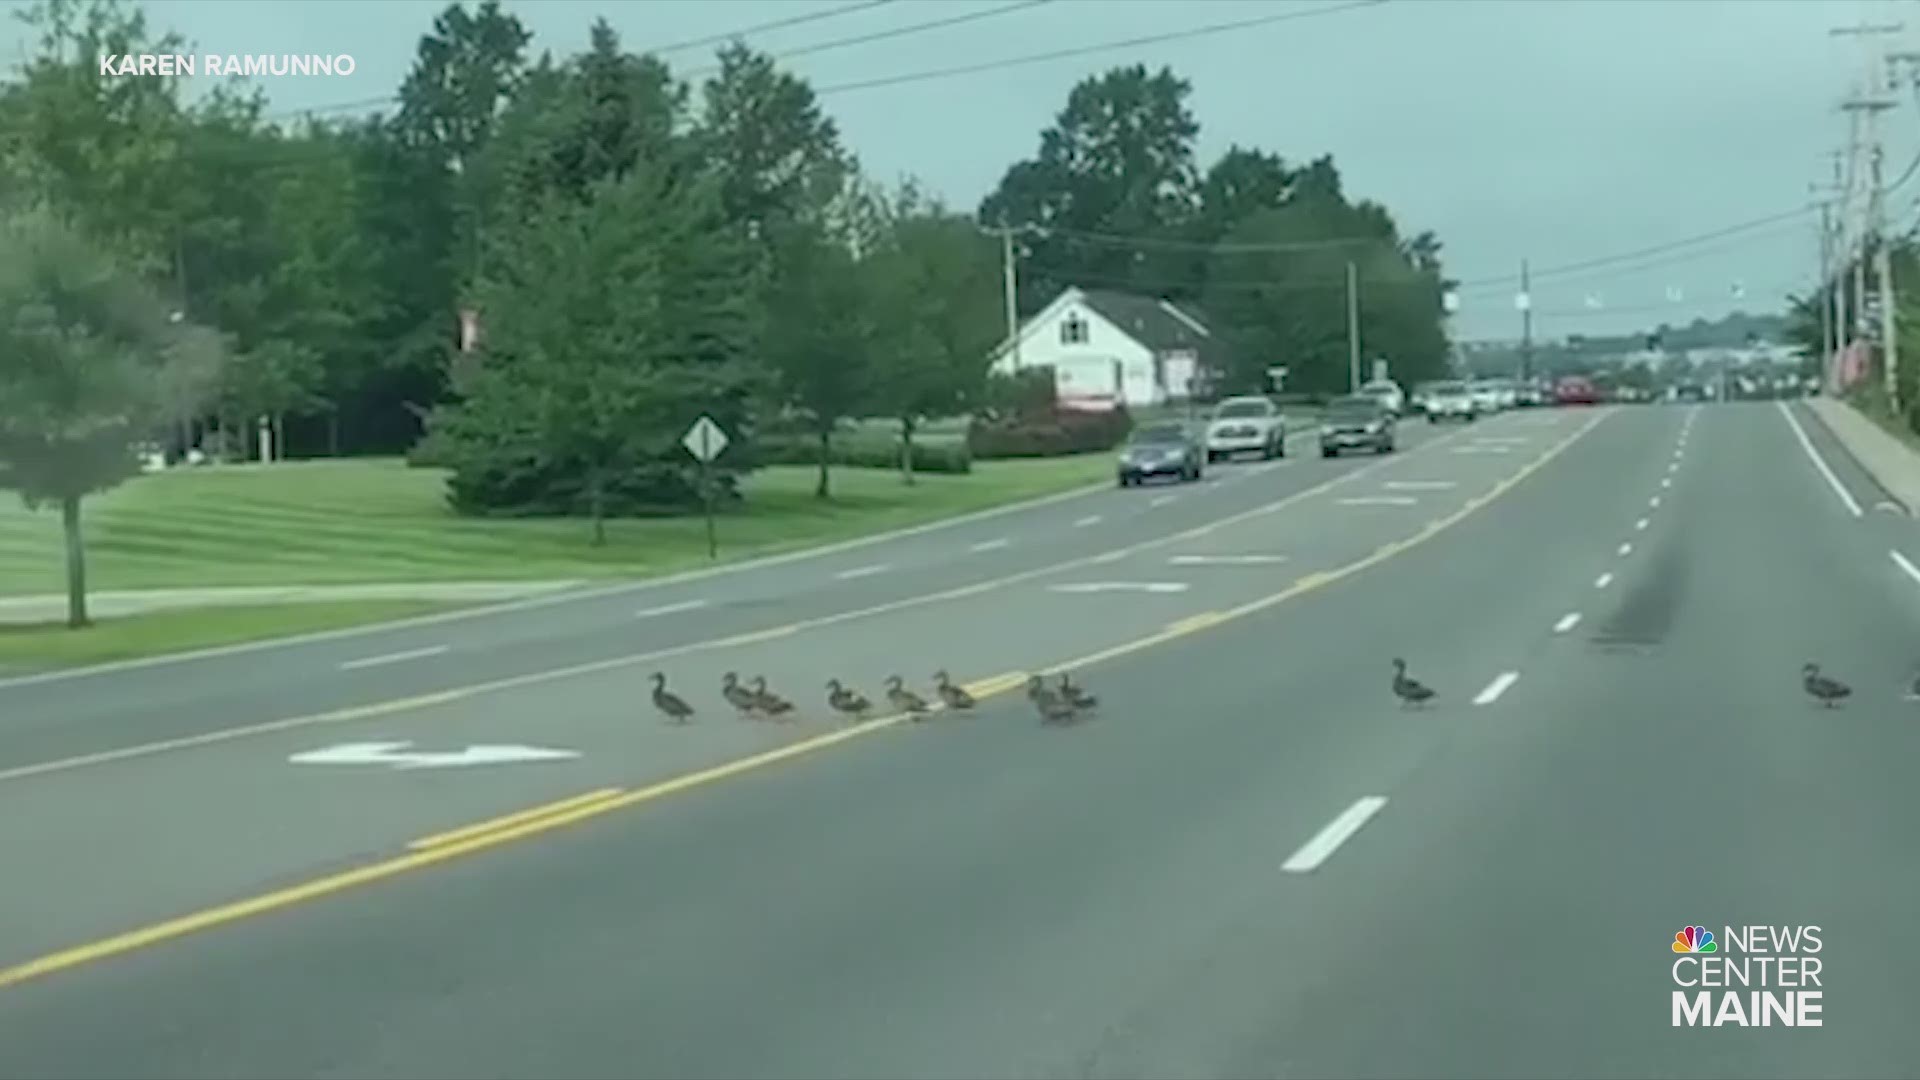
(752,700)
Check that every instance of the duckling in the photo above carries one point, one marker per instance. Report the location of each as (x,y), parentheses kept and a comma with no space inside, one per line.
(843,700)
(1052,708)
(905,700)
(770,703)
(738,696)
(668,702)
(1409,691)
(1075,696)
(1827,691)
(953,696)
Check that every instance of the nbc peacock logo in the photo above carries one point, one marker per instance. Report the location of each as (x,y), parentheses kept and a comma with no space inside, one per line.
(1695,939)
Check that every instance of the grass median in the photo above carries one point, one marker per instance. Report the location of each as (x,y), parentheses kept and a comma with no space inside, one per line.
(379,522)
(32,647)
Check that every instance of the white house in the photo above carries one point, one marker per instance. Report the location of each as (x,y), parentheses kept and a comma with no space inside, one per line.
(1112,347)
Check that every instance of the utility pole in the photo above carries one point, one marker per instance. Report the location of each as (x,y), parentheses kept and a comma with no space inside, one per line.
(1826,281)
(1353,328)
(1865,108)
(1526,323)
(1013,292)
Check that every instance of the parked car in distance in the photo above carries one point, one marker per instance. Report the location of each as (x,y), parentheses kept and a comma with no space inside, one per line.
(1164,449)
(1359,422)
(1388,394)
(1487,396)
(1576,390)
(1246,424)
(1450,401)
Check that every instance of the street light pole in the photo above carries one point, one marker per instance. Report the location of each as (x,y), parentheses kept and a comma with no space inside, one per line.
(1353,328)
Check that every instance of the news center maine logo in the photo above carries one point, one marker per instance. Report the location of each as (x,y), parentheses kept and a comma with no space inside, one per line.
(1747,976)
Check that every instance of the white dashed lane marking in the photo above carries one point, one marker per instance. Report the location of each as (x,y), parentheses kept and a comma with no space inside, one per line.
(1603,581)
(1328,840)
(1497,687)
(990,545)
(863,571)
(669,609)
(394,658)
(1567,622)
(1626,549)
(1090,519)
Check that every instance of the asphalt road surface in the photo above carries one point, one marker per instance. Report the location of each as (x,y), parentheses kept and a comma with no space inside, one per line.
(1250,862)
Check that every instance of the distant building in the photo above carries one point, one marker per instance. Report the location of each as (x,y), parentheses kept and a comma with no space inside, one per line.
(1108,348)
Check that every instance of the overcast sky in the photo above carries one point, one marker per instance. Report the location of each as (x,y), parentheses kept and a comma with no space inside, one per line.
(1558,131)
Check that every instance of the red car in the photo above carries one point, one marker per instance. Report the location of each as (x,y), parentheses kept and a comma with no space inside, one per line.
(1574,390)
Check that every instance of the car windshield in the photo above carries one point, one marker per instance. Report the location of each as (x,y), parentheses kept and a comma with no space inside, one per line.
(1160,433)
(1360,408)
(1240,409)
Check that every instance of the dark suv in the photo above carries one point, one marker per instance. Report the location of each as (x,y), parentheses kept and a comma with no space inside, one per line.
(1356,423)
(1160,450)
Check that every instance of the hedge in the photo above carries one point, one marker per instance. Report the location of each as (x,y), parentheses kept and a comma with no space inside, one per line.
(1066,432)
(867,452)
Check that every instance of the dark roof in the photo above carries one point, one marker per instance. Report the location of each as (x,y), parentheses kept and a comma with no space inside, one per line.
(1143,319)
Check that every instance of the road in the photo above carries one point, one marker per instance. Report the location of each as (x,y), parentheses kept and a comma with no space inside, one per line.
(1250,863)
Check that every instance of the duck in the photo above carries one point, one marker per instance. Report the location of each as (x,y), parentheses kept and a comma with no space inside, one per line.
(1827,691)
(770,703)
(843,700)
(738,696)
(1409,691)
(903,699)
(1052,708)
(668,702)
(1075,696)
(952,696)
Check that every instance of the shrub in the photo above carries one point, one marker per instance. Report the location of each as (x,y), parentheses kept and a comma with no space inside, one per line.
(1064,432)
(868,451)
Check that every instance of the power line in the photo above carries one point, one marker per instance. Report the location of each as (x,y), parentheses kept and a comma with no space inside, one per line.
(1086,50)
(1628,256)
(893,32)
(777,24)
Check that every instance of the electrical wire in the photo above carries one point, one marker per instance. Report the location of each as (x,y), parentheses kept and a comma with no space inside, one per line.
(1087,50)
(891,32)
(777,24)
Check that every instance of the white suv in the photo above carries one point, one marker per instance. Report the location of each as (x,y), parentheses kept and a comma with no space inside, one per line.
(1246,424)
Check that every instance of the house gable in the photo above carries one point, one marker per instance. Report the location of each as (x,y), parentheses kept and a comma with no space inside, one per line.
(1042,342)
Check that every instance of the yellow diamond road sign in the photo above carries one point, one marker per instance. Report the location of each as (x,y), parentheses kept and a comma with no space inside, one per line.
(704,440)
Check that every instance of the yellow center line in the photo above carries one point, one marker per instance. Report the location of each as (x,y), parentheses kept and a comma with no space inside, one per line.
(487,835)
(505,820)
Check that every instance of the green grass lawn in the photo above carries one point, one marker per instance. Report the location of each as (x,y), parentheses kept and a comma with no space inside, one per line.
(355,521)
(25,648)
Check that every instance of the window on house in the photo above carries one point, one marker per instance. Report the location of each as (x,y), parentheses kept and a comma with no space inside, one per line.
(1073,330)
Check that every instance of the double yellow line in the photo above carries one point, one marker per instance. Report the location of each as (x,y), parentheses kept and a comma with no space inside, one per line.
(481,836)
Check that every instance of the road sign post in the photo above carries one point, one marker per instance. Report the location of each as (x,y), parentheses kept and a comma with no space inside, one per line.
(705,440)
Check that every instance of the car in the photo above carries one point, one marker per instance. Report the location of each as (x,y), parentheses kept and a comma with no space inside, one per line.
(1165,449)
(1576,390)
(1487,395)
(1246,425)
(1450,401)
(1388,393)
(1359,422)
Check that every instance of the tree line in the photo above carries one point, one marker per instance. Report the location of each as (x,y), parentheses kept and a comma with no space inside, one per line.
(639,247)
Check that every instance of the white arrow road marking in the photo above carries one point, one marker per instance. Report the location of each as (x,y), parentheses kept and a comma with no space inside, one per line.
(1226,560)
(1121,586)
(990,545)
(863,571)
(1380,500)
(669,609)
(1497,687)
(394,658)
(397,755)
(1420,485)
(1338,831)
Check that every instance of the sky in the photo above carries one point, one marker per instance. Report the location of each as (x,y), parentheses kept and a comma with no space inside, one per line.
(1552,131)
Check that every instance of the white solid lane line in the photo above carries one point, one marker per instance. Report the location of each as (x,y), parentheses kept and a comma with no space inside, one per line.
(1338,831)
(1567,622)
(1090,519)
(1497,687)
(990,545)
(863,571)
(669,609)
(1846,497)
(1626,549)
(1905,564)
(1641,525)
(1603,581)
(394,658)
